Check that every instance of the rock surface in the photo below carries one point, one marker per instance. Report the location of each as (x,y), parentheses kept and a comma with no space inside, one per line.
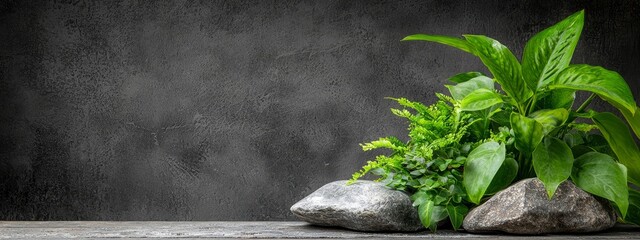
(362,206)
(524,208)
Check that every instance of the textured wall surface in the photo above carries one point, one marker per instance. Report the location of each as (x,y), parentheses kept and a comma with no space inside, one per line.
(233,110)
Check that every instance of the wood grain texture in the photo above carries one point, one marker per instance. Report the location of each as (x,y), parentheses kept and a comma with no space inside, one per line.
(231,230)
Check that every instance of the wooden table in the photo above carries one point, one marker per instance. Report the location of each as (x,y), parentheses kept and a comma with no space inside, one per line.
(273,230)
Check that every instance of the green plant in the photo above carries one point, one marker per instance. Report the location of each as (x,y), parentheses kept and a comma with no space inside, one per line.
(536,103)
(429,166)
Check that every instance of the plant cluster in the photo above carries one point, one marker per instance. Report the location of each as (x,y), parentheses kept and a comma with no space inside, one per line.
(482,138)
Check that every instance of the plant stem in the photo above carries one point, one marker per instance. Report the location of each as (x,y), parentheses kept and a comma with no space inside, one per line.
(579,110)
(522,110)
(526,167)
(457,117)
(532,105)
(521,166)
(586,103)
(486,128)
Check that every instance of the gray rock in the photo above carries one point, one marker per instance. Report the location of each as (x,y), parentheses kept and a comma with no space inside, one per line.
(524,208)
(362,206)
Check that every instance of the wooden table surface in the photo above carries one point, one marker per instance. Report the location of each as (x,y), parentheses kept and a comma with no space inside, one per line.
(272,230)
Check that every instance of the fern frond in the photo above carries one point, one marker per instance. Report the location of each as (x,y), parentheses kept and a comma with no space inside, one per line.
(583,127)
(402,113)
(446,98)
(420,108)
(365,169)
(387,142)
(387,164)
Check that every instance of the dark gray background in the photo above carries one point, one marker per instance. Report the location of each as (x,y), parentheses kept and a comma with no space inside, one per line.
(233,110)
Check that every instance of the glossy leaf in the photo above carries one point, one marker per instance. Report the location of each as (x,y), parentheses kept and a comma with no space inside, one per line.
(461,90)
(456,214)
(609,85)
(558,98)
(424,212)
(621,142)
(549,52)
(528,132)
(552,162)
(633,119)
(502,64)
(446,40)
(505,175)
(430,214)
(481,167)
(633,214)
(419,198)
(480,99)
(600,175)
(550,118)
(463,77)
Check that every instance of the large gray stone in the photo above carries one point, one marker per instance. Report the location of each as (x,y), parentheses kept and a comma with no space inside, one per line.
(524,208)
(362,206)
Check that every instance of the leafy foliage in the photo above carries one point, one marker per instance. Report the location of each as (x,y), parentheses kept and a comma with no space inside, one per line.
(552,161)
(529,127)
(634,207)
(488,158)
(622,143)
(429,166)
(550,51)
(600,175)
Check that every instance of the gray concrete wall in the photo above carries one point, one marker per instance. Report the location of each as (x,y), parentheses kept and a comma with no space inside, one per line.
(233,110)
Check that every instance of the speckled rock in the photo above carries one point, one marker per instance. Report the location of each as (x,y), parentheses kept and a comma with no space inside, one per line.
(362,206)
(524,208)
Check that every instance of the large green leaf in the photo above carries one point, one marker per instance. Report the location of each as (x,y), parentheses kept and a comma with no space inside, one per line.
(505,175)
(609,85)
(480,99)
(633,119)
(528,132)
(463,77)
(621,142)
(600,175)
(446,40)
(461,90)
(549,52)
(633,214)
(552,161)
(456,214)
(420,198)
(558,98)
(503,65)
(550,118)
(430,214)
(482,165)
